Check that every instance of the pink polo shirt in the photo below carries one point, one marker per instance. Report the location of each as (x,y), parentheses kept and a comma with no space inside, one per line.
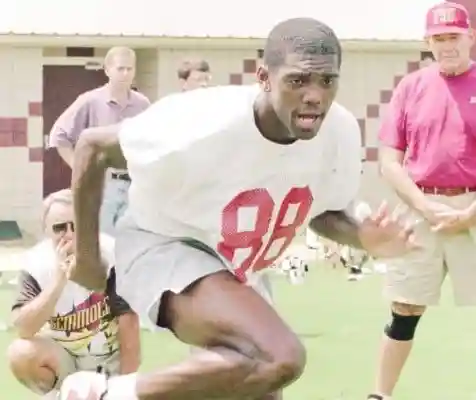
(432,118)
(93,108)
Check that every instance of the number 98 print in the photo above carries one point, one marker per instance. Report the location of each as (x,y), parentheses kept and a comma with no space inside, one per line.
(296,204)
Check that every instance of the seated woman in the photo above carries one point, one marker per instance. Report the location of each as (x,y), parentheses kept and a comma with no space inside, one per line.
(62,327)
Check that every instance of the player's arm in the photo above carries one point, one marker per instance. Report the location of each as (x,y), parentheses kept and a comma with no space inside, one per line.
(96,150)
(33,306)
(68,127)
(128,332)
(337,223)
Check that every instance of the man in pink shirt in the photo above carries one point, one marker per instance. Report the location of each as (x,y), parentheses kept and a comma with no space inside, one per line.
(109,104)
(428,156)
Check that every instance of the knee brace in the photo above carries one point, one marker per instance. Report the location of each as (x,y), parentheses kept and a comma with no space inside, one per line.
(402,327)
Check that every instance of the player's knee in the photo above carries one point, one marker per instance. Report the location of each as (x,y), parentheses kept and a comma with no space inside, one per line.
(22,356)
(407,309)
(405,318)
(287,363)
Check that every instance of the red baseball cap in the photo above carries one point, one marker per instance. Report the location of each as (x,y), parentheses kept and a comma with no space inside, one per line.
(447,18)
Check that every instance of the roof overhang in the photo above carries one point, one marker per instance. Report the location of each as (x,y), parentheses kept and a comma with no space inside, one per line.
(167,42)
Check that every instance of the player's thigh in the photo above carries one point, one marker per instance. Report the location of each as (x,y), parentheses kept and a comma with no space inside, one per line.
(28,356)
(218,309)
(205,304)
(416,278)
(460,259)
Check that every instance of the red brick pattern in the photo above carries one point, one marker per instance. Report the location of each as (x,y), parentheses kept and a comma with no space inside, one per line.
(236,79)
(35,154)
(373,110)
(14,131)
(385,96)
(250,66)
(35,109)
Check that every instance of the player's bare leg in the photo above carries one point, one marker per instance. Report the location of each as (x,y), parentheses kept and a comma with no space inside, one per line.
(269,396)
(33,363)
(251,351)
(395,348)
(248,350)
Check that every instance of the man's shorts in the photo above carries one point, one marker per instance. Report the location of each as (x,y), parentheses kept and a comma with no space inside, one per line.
(148,265)
(417,277)
(69,363)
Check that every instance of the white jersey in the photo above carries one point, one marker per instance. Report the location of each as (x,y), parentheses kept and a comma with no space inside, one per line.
(200,169)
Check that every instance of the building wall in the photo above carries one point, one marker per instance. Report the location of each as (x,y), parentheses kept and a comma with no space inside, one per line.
(366,84)
(21,128)
(20,134)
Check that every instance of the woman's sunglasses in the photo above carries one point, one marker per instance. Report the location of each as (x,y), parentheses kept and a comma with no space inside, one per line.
(62,227)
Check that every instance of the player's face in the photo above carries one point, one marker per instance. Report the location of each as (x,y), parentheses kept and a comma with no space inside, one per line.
(121,70)
(59,223)
(302,91)
(451,50)
(196,80)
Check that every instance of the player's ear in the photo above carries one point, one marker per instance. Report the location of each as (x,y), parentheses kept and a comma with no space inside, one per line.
(263,77)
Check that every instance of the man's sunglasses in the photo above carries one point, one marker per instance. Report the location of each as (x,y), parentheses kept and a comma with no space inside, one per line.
(62,227)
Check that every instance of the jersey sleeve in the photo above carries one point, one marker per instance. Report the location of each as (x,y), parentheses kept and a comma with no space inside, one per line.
(158,132)
(28,288)
(150,140)
(392,129)
(346,178)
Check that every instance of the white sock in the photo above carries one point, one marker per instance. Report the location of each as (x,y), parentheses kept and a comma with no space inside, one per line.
(51,395)
(122,387)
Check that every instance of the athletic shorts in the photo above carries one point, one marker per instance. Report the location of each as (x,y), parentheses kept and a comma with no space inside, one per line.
(148,265)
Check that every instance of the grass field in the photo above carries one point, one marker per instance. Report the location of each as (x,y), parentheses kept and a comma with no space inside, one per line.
(340,323)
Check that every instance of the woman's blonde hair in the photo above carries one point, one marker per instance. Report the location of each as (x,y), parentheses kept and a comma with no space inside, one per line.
(64,196)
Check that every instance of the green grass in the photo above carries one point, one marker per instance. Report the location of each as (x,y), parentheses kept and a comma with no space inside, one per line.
(340,323)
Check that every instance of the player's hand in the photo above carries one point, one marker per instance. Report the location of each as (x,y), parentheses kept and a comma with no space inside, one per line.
(386,234)
(66,259)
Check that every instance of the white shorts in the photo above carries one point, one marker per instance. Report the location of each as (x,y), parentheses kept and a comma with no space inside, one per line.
(148,265)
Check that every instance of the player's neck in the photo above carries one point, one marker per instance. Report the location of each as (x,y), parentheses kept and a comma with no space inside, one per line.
(268,123)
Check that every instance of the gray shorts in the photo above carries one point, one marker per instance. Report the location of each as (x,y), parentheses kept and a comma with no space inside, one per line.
(148,264)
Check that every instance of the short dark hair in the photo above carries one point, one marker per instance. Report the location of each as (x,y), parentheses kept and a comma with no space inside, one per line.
(302,36)
(188,66)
